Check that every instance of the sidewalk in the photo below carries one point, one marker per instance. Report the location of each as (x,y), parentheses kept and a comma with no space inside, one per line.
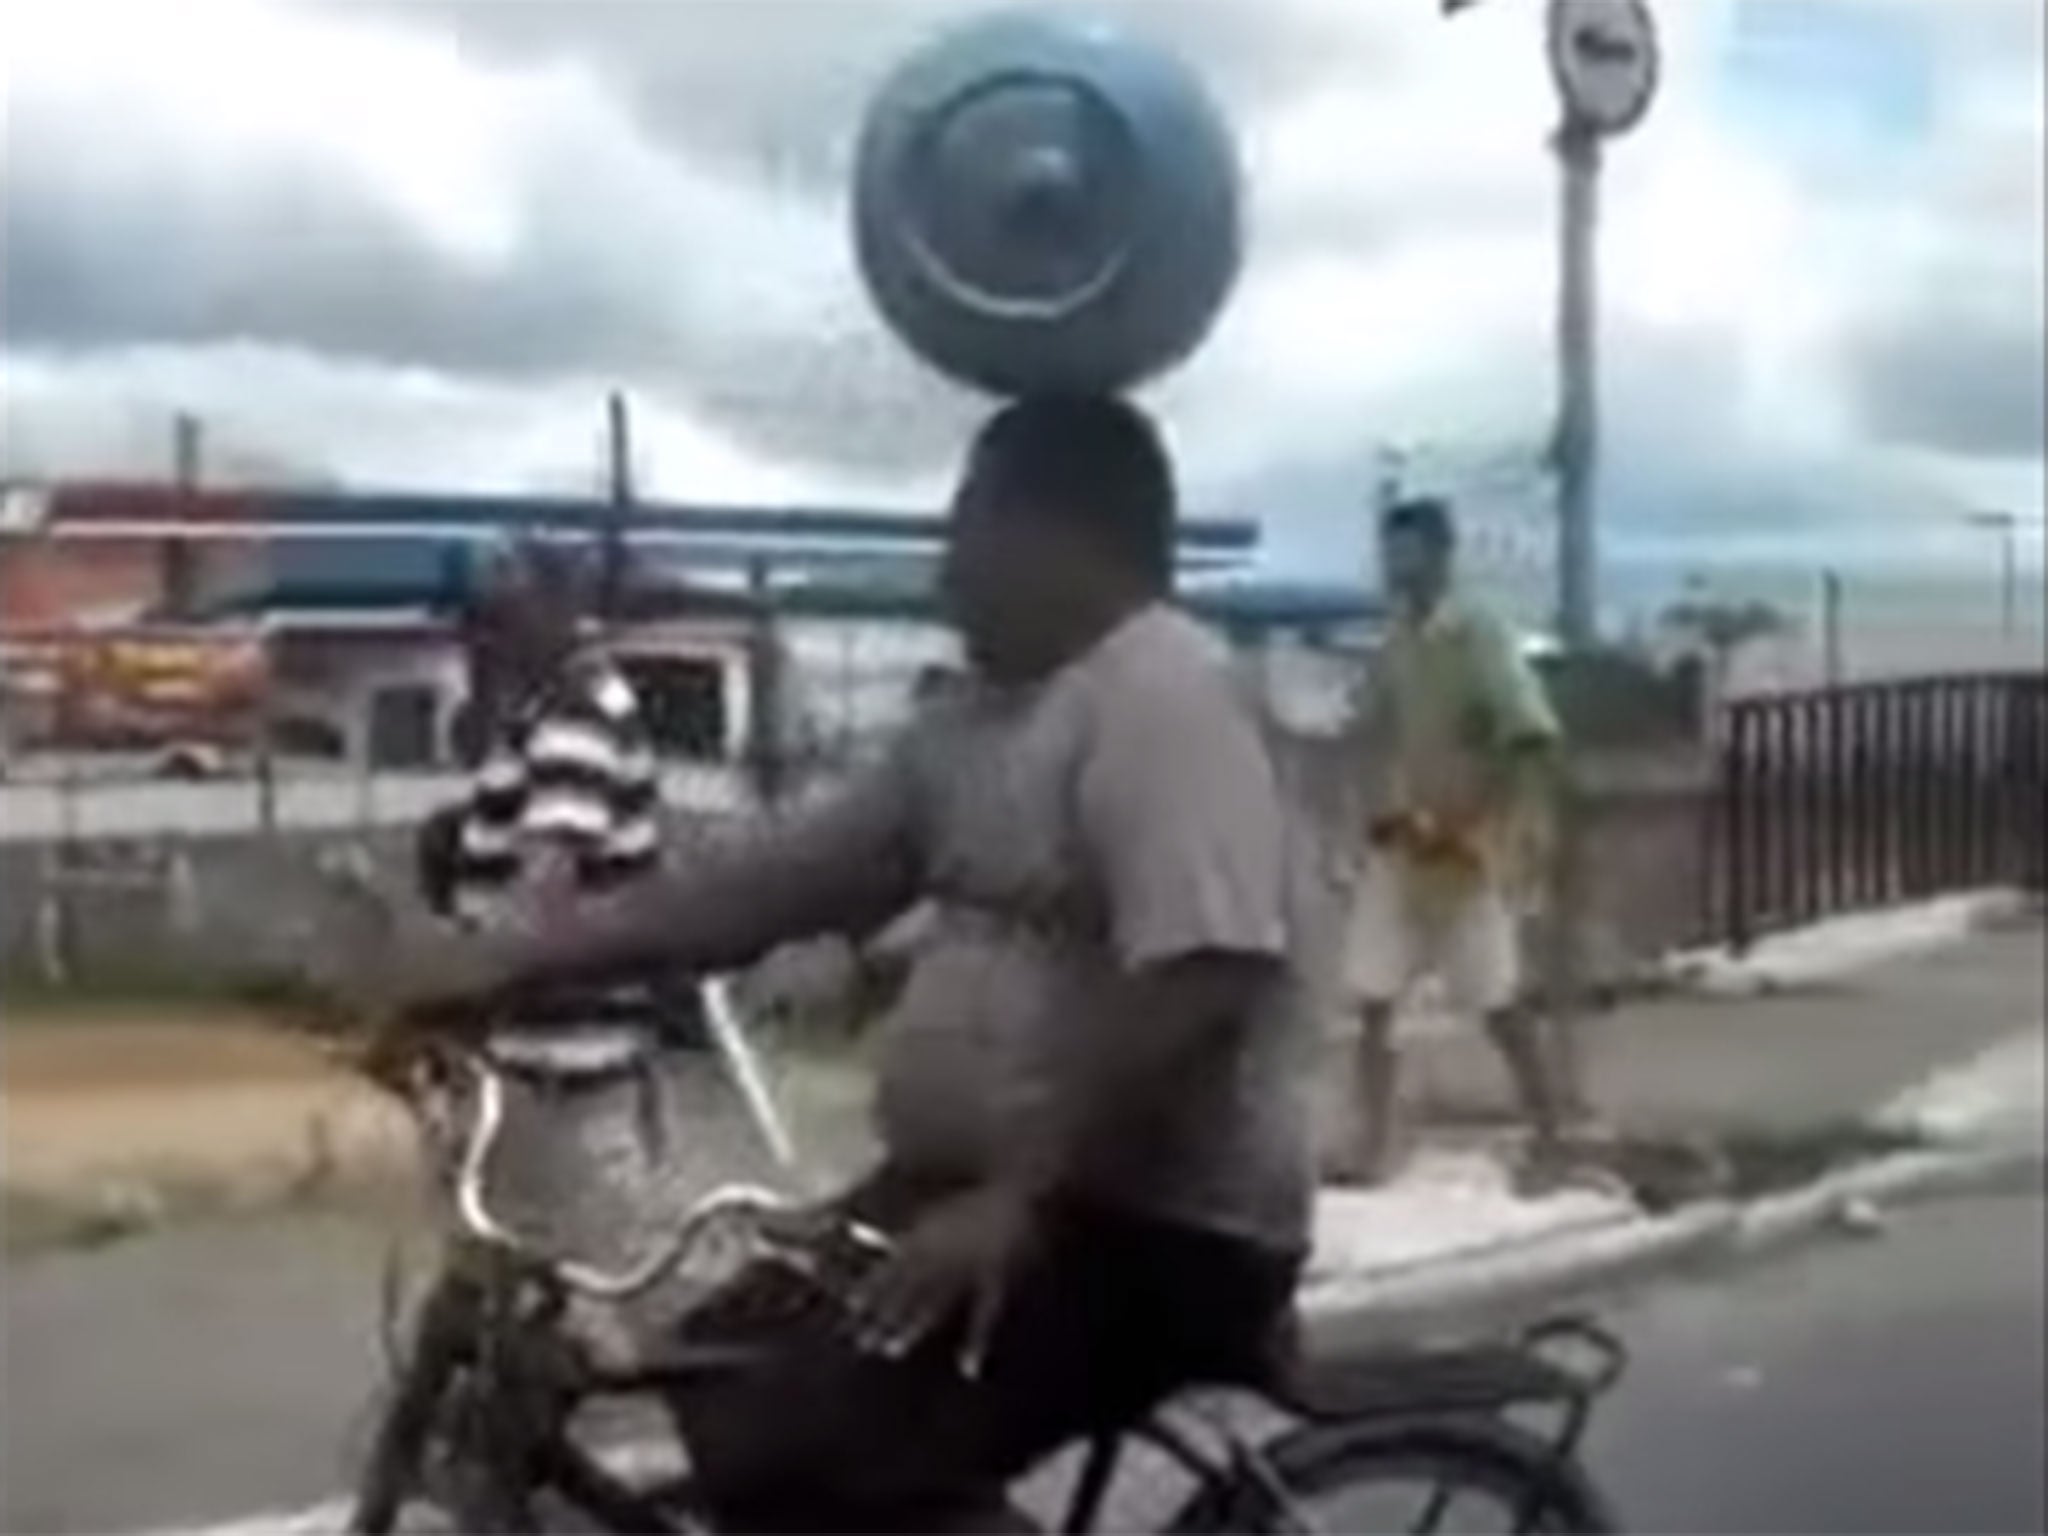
(153,1118)
(1943,1047)
(1786,1061)
(210,1356)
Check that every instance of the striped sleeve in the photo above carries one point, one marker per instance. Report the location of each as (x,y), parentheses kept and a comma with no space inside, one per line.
(485,852)
(590,778)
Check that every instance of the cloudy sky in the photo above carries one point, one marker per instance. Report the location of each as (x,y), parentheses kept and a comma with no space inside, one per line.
(414,241)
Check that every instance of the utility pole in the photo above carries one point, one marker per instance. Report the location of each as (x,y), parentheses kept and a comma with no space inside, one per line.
(765,748)
(176,562)
(611,589)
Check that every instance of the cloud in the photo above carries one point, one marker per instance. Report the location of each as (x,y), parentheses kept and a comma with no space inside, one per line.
(1957,380)
(422,238)
(280,415)
(105,252)
(548,235)
(772,93)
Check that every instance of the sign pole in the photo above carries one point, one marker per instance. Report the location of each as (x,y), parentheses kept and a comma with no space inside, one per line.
(1603,61)
(1577,444)
(1575,461)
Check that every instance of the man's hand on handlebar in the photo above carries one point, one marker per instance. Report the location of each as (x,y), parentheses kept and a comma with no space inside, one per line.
(951,1270)
(415,972)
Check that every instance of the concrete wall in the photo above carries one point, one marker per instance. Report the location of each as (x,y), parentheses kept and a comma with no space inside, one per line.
(166,910)
(175,911)
(1646,831)
(187,912)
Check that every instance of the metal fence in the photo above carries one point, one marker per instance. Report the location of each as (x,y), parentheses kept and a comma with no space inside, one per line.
(1815,803)
(85,760)
(311,742)
(1850,798)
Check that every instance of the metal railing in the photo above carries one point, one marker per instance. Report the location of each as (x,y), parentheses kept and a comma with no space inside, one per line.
(1849,798)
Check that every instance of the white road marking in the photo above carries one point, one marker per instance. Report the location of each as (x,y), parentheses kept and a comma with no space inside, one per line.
(1996,1094)
(640,1461)
(316,1520)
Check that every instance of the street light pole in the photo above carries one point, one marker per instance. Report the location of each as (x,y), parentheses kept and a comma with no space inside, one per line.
(2009,576)
(2007,526)
(1831,626)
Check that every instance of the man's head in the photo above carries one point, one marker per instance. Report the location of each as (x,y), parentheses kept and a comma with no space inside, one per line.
(1063,522)
(524,610)
(1417,543)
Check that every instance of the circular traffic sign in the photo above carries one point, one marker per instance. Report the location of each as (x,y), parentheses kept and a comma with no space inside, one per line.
(1603,56)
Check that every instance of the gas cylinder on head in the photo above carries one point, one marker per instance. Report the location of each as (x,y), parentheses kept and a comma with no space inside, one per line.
(1045,203)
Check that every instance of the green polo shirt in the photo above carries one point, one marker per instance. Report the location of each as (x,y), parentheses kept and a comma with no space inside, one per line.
(1456,709)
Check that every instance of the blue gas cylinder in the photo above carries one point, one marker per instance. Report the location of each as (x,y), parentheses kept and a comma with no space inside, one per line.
(1045,202)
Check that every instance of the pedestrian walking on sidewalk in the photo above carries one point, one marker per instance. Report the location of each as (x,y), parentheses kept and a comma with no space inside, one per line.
(1458,751)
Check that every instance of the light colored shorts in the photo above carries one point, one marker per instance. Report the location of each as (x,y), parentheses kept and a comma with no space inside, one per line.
(1471,948)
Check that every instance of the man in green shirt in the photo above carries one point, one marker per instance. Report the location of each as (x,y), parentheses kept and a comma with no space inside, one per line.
(1460,746)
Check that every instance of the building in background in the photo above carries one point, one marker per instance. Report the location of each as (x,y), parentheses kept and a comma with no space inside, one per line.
(751,633)
(92,656)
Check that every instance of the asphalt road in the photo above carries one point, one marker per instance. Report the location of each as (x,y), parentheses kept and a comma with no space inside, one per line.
(1896,1386)
(1893,1385)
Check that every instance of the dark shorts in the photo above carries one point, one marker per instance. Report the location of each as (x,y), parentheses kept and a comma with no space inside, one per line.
(1112,1314)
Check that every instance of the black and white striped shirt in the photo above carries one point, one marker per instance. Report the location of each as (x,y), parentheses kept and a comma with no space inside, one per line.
(574,770)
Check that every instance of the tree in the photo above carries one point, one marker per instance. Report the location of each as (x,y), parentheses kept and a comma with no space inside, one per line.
(1721,627)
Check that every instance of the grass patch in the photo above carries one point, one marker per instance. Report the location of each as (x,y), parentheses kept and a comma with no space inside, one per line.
(37,1223)
(119,1210)
(33,1002)
(108,1212)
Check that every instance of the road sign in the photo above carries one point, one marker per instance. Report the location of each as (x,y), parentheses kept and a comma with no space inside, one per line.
(1603,56)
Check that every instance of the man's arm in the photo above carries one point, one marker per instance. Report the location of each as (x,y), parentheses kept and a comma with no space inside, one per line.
(847,865)
(1181,817)
(1527,737)
(1526,761)
(593,791)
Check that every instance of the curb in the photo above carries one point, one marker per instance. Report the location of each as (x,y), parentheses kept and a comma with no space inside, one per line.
(1501,1289)
(1913,930)
(1844,1200)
